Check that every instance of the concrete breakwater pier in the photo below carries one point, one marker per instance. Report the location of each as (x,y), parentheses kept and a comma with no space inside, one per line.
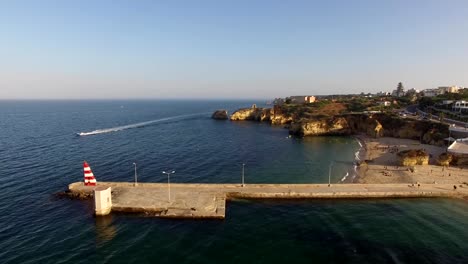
(209,200)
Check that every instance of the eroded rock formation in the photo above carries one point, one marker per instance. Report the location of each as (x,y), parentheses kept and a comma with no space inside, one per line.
(380,125)
(445,159)
(321,126)
(279,117)
(413,157)
(254,113)
(373,125)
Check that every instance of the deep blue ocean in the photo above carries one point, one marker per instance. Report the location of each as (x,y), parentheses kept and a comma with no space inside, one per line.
(41,153)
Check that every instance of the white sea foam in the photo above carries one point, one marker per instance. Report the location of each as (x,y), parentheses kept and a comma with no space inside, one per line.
(119,128)
(357,158)
(355,172)
(356,155)
(360,144)
(344,177)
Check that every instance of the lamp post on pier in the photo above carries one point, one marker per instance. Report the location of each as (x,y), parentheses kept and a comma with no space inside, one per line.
(243,166)
(329,173)
(168,184)
(136,183)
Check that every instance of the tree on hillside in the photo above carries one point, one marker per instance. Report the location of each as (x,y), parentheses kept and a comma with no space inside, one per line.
(400,90)
(411,95)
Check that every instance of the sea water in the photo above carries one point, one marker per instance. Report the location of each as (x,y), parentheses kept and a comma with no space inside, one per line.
(41,152)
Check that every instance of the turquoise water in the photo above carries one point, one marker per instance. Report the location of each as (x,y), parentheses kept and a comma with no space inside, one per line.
(41,154)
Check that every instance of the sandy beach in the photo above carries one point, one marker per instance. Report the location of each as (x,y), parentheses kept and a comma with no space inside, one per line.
(383,168)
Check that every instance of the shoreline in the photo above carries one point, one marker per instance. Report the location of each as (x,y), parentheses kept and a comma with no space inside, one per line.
(379,163)
(360,156)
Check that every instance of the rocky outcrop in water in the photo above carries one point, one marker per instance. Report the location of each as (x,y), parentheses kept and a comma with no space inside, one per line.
(74,195)
(220,115)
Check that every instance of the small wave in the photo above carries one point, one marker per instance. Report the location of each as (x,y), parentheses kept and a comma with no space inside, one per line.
(344,177)
(356,155)
(120,128)
(355,173)
(357,159)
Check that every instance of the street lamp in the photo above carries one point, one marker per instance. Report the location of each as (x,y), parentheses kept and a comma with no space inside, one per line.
(136,183)
(243,165)
(329,173)
(168,183)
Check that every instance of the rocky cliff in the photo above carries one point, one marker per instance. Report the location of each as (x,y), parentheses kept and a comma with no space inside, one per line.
(321,126)
(337,125)
(279,117)
(254,114)
(373,125)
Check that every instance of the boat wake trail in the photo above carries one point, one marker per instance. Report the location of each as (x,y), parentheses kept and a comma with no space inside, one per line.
(141,124)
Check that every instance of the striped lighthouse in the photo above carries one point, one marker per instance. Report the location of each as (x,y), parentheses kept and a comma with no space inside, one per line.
(89,179)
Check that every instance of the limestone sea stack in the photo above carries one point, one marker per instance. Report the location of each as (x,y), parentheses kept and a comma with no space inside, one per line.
(220,115)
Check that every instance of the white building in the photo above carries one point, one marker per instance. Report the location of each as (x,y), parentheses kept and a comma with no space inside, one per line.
(440,90)
(302,99)
(381,93)
(431,92)
(448,89)
(460,106)
(459,146)
(384,103)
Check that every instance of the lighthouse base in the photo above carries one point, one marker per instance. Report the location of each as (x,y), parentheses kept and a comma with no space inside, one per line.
(102,200)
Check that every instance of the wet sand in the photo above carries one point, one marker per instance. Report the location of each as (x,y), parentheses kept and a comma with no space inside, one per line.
(383,168)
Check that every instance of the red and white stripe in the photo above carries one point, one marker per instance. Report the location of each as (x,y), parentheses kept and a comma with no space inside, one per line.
(89,179)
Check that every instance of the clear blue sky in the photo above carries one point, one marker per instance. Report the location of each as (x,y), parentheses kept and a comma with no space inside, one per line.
(228,49)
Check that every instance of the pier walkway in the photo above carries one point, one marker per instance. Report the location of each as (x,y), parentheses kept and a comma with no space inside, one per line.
(209,200)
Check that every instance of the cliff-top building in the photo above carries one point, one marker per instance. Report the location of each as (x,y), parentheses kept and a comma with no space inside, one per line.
(440,90)
(431,92)
(302,99)
(449,89)
(381,93)
(384,103)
